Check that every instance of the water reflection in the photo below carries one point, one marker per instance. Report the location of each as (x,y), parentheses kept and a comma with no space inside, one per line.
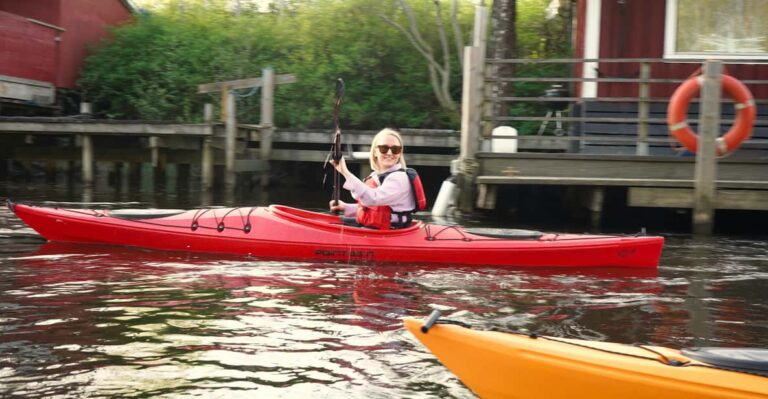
(99,321)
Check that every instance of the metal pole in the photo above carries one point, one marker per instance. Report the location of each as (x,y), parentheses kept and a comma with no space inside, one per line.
(705,189)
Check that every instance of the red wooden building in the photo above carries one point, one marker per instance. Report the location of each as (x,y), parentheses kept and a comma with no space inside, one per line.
(673,37)
(42,47)
(680,33)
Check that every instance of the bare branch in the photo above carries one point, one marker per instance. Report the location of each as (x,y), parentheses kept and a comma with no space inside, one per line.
(439,73)
(425,52)
(458,35)
(441,36)
(414,26)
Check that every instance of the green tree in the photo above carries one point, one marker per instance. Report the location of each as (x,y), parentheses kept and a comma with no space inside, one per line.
(150,69)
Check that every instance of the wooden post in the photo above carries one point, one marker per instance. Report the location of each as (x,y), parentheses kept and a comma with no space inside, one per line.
(147,178)
(230,127)
(207,158)
(705,189)
(87,159)
(479,40)
(125,176)
(470,126)
(154,148)
(480,29)
(86,142)
(643,109)
(228,114)
(267,119)
(597,197)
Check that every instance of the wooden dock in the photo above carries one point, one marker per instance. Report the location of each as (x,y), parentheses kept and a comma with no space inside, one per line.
(79,142)
(129,141)
(639,157)
(615,142)
(653,181)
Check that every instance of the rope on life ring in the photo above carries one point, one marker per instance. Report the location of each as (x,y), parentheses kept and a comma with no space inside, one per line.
(677,114)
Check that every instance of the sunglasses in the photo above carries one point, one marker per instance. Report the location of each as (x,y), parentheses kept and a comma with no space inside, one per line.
(396,149)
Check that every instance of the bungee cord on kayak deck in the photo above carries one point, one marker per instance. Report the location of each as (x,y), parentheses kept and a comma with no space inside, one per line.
(247,226)
(246,221)
(220,226)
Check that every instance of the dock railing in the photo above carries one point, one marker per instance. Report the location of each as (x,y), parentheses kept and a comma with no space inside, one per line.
(607,121)
(610,130)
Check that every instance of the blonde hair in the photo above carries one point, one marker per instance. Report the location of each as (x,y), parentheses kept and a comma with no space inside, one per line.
(380,137)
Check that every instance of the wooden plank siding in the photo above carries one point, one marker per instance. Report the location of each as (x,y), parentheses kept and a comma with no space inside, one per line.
(635,29)
(597,134)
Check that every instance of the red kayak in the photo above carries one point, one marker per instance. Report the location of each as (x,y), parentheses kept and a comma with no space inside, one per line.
(282,232)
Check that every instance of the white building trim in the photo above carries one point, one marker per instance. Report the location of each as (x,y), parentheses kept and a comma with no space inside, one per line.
(591,47)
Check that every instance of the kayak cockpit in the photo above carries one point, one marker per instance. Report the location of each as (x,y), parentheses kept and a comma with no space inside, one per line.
(140,214)
(326,221)
(510,234)
(751,360)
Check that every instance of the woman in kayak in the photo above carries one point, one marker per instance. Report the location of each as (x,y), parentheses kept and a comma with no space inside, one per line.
(384,199)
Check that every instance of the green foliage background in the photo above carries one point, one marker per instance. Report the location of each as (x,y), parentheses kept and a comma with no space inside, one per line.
(150,68)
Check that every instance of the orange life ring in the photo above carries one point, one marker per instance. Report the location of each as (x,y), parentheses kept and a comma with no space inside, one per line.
(677,114)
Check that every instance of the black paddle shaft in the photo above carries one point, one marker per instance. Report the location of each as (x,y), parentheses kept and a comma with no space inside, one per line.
(337,140)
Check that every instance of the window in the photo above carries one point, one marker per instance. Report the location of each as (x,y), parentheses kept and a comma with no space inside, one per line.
(726,29)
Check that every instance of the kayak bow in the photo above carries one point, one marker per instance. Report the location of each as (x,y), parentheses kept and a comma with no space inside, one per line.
(507,365)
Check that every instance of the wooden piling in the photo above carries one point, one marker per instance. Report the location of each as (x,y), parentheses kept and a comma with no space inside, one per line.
(705,174)
(87,159)
(596,200)
(154,148)
(643,109)
(230,126)
(267,120)
(470,127)
(207,156)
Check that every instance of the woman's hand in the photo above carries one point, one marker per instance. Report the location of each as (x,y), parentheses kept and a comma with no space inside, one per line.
(341,166)
(336,208)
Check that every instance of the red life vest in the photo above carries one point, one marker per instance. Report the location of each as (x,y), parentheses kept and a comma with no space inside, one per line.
(380,217)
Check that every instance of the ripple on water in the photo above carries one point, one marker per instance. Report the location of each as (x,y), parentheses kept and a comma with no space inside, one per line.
(80,321)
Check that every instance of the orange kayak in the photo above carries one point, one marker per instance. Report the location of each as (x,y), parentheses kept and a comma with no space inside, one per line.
(508,365)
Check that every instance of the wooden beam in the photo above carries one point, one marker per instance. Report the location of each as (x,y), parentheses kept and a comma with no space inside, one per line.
(243,83)
(319,157)
(144,129)
(683,198)
(609,181)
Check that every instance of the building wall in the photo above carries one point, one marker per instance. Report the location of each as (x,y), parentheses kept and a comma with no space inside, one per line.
(87,23)
(27,50)
(32,51)
(635,29)
(43,10)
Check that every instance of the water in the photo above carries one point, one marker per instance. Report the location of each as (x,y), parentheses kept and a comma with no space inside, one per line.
(96,322)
